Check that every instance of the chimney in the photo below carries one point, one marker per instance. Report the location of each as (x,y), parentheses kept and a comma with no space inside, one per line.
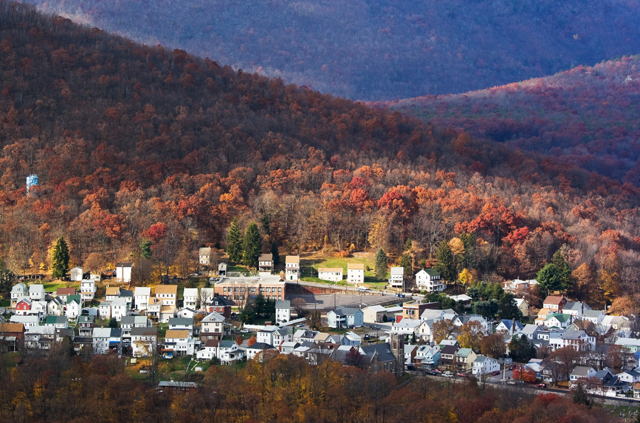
(513,326)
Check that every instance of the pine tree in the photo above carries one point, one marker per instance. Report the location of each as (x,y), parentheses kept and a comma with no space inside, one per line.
(60,258)
(145,249)
(266,225)
(407,244)
(252,245)
(446,265)
(549,279)
(564,272)
(406,262)
(381,264)
(234,242)
(275,253)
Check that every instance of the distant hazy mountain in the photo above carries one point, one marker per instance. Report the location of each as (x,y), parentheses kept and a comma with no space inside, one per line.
(378,49)
(588,116)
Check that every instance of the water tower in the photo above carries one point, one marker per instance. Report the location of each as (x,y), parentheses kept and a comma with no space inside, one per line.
(32,181)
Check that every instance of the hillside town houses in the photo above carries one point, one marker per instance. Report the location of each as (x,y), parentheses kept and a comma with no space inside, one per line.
(198,324)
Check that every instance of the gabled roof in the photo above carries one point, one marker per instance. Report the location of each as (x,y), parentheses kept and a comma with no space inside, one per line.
(553,300)
(180,321)
(408,323)
(227,344)
(508,323)
(126,293)
(346,311)
(593,313)
(355,266)
(260,346)
(176,334)
(449,349)
(573,334)
(124,265)
(65,291)
(581,371)
(383,351)
(167,289)
(74,298)
(55,320)
(464,352)
(147,331)
(36,287)
(142,291)
(17,288)
(292,259)
(113,290)
(265,257)
(11,327)
(190,292)
(331,269)
(86,319)
(396,271)
(560,317)
(283,304)
(432,272)
(213,317)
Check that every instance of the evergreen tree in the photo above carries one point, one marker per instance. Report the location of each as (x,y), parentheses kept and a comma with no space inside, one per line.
(252,245)
(145,249)
(60,258)
(266,225)
(564,272)
(549,279)
(508,308)
(234,242)
(468,259)
(406,262)
(407,244)
(275,253)
(381,264)
(446,265)
(580,396)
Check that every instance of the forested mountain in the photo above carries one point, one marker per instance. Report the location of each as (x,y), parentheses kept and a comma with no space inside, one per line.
(378,49)
(588,116)
(133,143)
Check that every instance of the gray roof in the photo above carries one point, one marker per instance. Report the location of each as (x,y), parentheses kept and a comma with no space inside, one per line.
(581,371)
(213,317)
(260,346)
(283,304)
(573,334)
(87,319)
(126,292)
(383,351)
(593,313)
(226,344)
(346,311)
(144,331)
(172,384)
(128,320)
(397,271)
(265,257)
(530,329)
(180,321)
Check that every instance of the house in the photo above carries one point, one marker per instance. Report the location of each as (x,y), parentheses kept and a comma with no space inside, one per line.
(558,320)
(206,295)
(355,273)
(85,325)
(542,316)
(104,310)
(229,352)
(344,317)
(26,321)
(23,307)
(179,323)
(141,297)
(302,336)
(87,289)
(112,293)
(190,298)
(333,274)
(518,285)
(485,365)
(427,356)
(373,314)
(511,327)
(178,342)
(632,345)
(206,256)
(575,308)
(62,293)
(166,312)
(39,338)
(59,322)
(220,305)
(614,322)
(351,339)
(577,339)
(209,351)
(593,316)
(464,359)
(172,386)
(11,337)
(265,263)
(283,311)
(429,280)
(381,358)
(168,294)
(39,309)
(17,292)
(461,298)
(153,308)
(119,308)
(447,355)
(461,320)
(292,267)
(413,310)
(396,277)
(265,335)
(523,306)
(75,274)
(123,272)
(254,350)
(127,294)
(530,331)
(36,292)
(188,313)
(107,340)
(408,327)
(129,322)
(74,306)
(580,372)
(630,376)
(222,269)
(144,341)
(555,303)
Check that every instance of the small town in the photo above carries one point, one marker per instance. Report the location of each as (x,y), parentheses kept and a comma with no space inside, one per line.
(170,333)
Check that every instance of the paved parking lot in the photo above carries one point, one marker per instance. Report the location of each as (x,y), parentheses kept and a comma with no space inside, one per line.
(331,301)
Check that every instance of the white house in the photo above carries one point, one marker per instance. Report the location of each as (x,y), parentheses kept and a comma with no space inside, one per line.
(222,269)
(576,339)
(180,323)
(75,274)
(355,273)
(409,327)
(190,297)
(229,352)
(168,294)
(429,280)
(575,308)
(283,311)
(36,292)
(55,307)
(74,307)
(104,310)
(333,274)
(141,297)
(209,351)
(484,365)
(87,289)
(18,291)
(257,348)
(39,309)
(630,376)
(166,312)
(144,341)
(581,372)
(27,321)
(593,316)
(180,342)
(511,327)
(105,339)
(292,267)
(123,272)
(212,327)
(205,255)
(119,308)
(519,285)
(396,277)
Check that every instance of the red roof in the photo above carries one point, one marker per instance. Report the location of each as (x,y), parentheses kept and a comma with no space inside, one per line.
(66,291)
(553,299)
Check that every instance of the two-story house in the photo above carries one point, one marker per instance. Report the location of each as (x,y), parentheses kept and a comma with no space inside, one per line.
(123,272)
(575,308)
(144,341)
(141,297)
(17,292)
(168,294)
(332,274)
(447,355)
(181,323)
(119,308)
(104,310)
(427,356)
(576,339)
(212,327)
(107,339)
(220,304)
(205,256)
(396,277)
(87,289)
(36,292)
(74,306)
(484,365)
(179,342)
(265,263)
(292,267)
(430,280)
(190,298)
(23,307)
(464,359)
(283,311)
(85,325)
(355,273)
(555,303)
(59,322)
(345,317)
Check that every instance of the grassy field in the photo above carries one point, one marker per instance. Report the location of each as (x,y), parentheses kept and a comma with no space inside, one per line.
(622,411)
(311,264)
(5,302)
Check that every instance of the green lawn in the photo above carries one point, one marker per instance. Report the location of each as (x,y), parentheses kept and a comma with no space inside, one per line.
(333,262)
(55,285)
(162,329)
(6,302)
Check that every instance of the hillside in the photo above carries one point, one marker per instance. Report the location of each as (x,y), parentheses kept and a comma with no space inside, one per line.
(588,116)
(134,144)
(378,49)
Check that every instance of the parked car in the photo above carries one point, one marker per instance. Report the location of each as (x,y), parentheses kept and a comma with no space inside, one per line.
(437,370)
(496,373)
(541,385)
(244,331)
(447,374)
(461,375)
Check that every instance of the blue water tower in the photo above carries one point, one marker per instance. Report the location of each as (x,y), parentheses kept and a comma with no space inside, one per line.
(32,181)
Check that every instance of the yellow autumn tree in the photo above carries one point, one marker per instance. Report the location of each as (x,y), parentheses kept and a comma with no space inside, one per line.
(465,277)
(457,246)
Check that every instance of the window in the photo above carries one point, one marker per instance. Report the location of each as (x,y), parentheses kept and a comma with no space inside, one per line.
(280,289)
